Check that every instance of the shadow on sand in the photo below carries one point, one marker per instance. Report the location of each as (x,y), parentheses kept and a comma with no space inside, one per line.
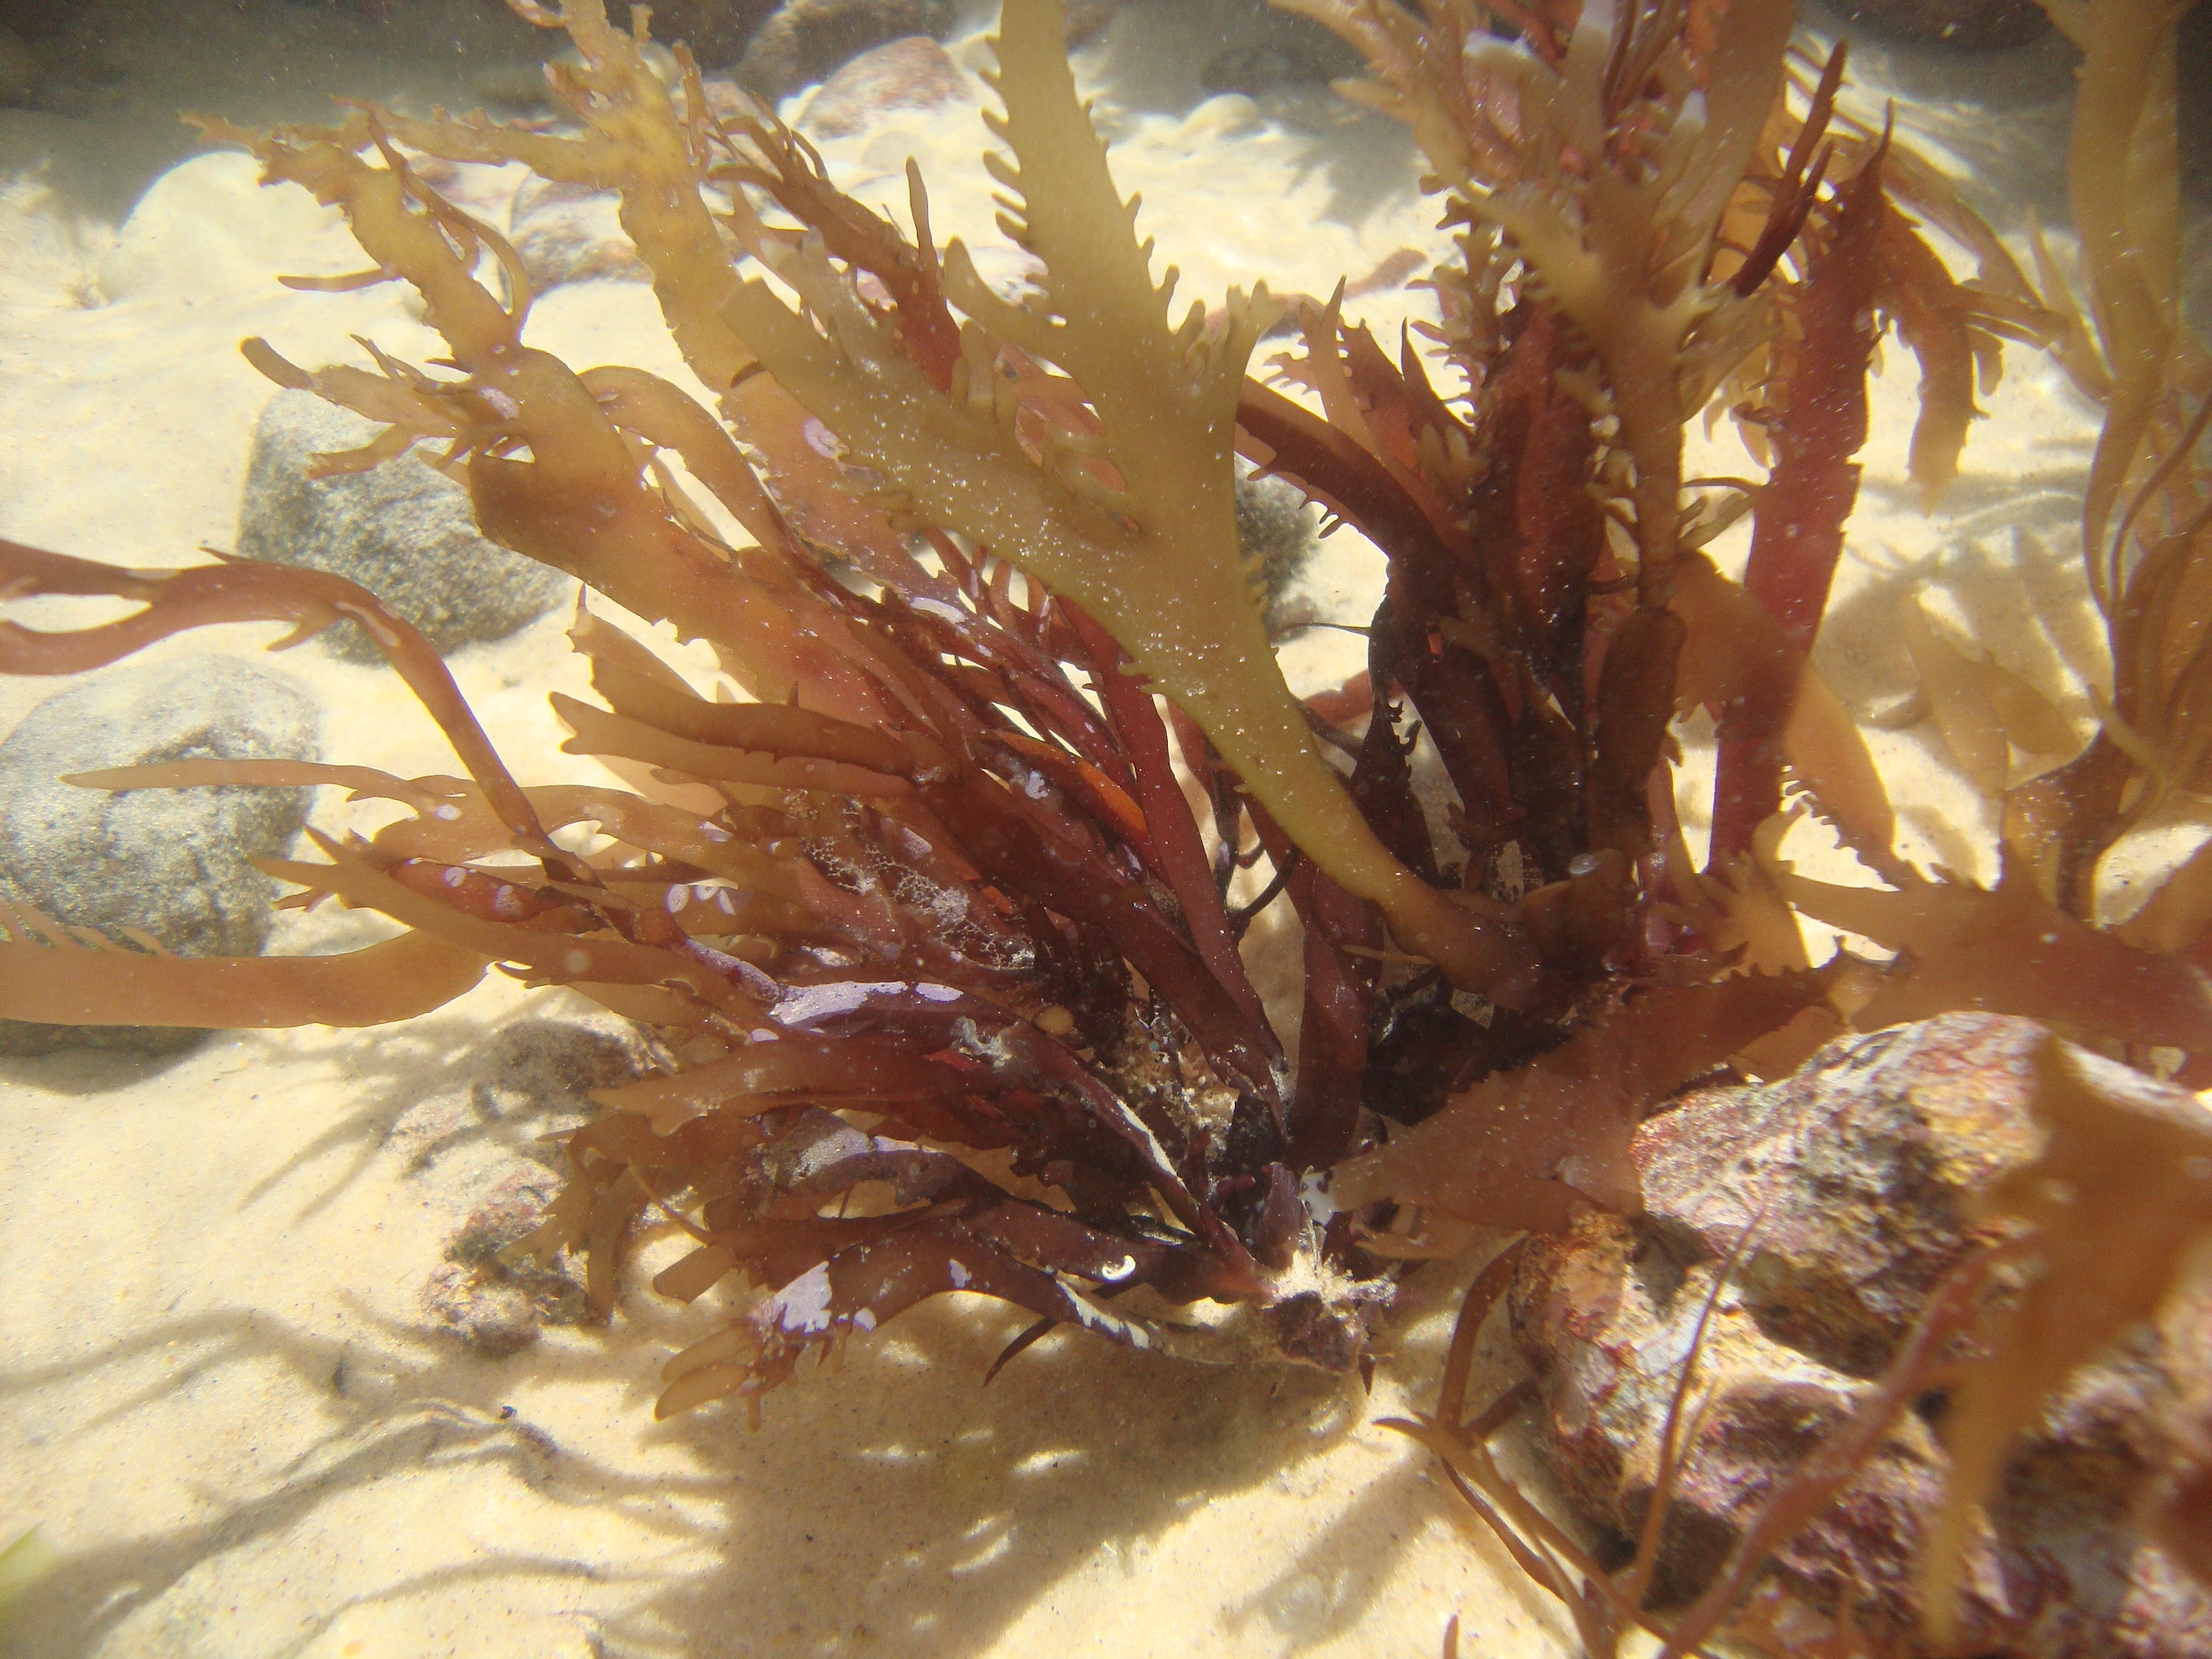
(896,1506)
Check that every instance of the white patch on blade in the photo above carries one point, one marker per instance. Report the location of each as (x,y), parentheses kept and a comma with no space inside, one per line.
(803,1306)
(803,1005)
(1095,1318)
(1314,1193)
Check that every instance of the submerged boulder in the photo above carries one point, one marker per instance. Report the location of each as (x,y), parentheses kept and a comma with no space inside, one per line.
(404,531)
(565,232)
(715,31)
(1856,1181)
(913,74)
(171,864)
(807,40)
(485,1143)
(1963,23)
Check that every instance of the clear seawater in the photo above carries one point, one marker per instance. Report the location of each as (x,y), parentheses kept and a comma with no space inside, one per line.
(241,1399)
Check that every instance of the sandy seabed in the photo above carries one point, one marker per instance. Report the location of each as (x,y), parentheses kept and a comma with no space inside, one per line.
(222,1396)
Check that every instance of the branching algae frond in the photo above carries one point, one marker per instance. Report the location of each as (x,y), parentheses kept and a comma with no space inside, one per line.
(1131,515)
(934,913)
(1609,161)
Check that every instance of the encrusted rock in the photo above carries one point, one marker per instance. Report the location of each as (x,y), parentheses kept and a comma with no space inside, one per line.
(531,1079)
(1855,1177)
(403,530)
(808,40)
(1277,534)
(170,863)
(483,190)
(484,1133)
(911,74)
(567,232)
(498,1308)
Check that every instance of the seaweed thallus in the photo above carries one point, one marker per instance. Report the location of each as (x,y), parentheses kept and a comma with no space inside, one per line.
(940,932)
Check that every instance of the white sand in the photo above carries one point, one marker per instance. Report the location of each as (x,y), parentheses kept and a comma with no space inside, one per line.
(220,1395)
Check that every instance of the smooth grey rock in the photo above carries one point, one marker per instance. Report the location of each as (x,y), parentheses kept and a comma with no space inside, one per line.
(1262,66)
(173,863)
(403,530)
(18,68)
